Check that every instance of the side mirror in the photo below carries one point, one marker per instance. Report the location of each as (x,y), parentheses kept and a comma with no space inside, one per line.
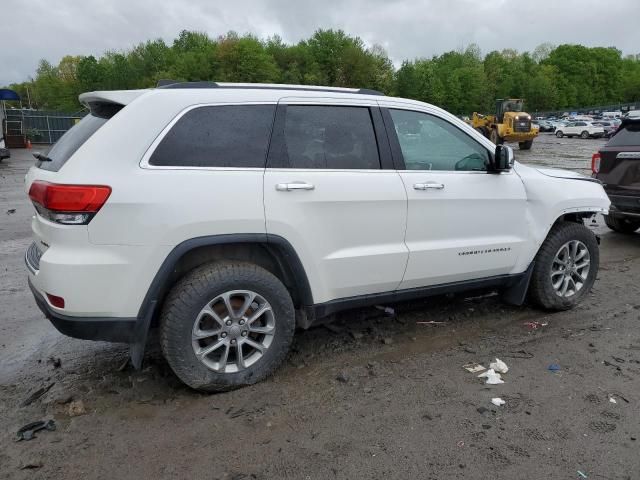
(503,159)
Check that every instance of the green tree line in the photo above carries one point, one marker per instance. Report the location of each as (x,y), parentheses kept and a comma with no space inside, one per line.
(549,78)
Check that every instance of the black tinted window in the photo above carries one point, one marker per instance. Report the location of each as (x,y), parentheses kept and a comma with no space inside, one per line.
(71,141)
(217,136)
(329,137)
(629,135)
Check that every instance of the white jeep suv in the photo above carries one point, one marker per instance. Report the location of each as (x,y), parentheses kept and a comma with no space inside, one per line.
(227,215)
(580,129)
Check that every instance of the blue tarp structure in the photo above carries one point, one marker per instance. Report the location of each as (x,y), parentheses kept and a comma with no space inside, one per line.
(6,94)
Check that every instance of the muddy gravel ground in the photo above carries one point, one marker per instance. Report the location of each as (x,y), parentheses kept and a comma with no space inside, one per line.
(368,396)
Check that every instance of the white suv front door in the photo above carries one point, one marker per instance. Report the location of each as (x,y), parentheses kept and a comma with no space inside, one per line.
(463,223)
(332,192)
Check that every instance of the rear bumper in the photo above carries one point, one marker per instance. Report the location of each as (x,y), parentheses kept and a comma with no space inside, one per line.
(88,328)
(624,205)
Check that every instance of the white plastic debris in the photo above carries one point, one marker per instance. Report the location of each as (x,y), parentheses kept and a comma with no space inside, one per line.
(498,402)
(473,367)
(492,377)
(499,366)
(612,400)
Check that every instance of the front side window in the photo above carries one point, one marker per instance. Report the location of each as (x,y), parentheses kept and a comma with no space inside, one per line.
(329,137)
(430,143)
(234,136)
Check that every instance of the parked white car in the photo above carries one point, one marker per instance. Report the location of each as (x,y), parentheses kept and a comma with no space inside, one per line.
(227,215)
(580,129)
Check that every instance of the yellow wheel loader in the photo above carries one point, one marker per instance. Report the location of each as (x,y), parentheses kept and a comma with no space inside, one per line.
(509,124)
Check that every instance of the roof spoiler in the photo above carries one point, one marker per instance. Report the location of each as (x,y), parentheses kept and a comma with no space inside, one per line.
(105,104)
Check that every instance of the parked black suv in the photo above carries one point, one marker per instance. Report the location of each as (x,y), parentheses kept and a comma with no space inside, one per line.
(617,165)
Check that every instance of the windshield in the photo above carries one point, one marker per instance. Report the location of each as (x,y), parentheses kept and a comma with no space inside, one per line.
(512,106)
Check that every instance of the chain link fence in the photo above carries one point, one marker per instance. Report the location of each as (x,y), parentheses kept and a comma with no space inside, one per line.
(41,126)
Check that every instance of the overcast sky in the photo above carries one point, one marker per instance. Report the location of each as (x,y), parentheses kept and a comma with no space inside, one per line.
(35,29)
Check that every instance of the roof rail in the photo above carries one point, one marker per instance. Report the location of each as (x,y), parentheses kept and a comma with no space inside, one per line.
(172,84)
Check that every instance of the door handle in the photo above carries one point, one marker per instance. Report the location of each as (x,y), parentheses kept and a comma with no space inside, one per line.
(287,187)
(428,186)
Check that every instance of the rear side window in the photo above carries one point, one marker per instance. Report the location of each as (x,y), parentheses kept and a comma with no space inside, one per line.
(71,141)
(627,136)
(329,137)
(217,136)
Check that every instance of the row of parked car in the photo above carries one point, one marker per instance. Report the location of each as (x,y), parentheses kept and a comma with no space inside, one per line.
(584,126)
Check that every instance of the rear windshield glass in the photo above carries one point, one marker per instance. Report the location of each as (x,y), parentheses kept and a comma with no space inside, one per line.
(71,141)
(627,136)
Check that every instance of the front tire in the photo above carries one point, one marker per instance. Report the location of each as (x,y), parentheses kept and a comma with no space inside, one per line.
(226,325)
(495,138)
(559,134)
(565,267)
(621,225)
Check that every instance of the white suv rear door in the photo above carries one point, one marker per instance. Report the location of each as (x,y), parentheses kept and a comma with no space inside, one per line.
(330,189)
(463,223)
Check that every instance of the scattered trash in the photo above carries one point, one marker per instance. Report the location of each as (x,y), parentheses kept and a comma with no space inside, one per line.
(621,397)
(36,395)
(473,367)
(581,474)
(535,325)
(499,366)
(431,323)
(342,377)
(492,377)
(388,311)
(618,359)
(554,367)
(28,432)
(460,444)
(76,408)
(498,402)
(11,211)
(612,400)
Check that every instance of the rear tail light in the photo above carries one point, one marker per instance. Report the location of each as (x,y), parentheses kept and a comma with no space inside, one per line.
(595,162)
(68,204)
(56,301)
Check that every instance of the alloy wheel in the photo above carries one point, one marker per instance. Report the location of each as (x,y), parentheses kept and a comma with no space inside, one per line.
(570,268)
(233,331)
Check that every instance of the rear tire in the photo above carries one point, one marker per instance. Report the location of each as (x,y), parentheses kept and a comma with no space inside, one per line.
(584,135)
(235,292)
(526,145)
(550,276)
(559,134)
(621,225)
